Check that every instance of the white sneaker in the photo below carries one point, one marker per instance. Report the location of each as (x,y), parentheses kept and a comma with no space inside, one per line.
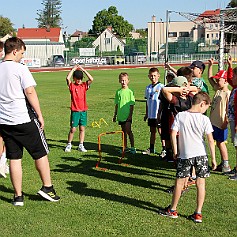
(82,148)
(2,171)
(68,148)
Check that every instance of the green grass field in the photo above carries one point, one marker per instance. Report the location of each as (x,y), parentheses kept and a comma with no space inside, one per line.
(122,200)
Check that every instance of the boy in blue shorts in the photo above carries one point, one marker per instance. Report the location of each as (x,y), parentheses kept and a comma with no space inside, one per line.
(79,106)
(190,151)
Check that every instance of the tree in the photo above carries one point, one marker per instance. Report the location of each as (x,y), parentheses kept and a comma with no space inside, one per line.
(50,15)
(110,17)
(232,4)
(6,26)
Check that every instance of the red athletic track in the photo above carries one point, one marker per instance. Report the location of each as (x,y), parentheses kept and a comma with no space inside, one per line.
(103,67)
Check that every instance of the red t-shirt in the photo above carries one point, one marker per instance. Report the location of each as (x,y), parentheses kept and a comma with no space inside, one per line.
(78,96)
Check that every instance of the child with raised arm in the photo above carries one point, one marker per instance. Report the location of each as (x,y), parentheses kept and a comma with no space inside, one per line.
(79,107)
(190,151)
(124,105)
(232,111)
(152,93)
(218,113)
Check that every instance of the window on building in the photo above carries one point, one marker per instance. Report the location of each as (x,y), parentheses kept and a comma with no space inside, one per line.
(172,34)
(107,40)
(208,36)
(183,34)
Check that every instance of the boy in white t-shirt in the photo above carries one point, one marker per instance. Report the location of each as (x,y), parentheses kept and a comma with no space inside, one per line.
(190,150)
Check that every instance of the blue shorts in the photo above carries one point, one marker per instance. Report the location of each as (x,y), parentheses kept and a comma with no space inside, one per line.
(220,135)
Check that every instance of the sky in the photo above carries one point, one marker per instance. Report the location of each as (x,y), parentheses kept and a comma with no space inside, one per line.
(79,14)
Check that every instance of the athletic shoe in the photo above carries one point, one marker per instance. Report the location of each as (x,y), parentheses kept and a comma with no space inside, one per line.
(169,213)
(163,154)
(226,169)
(196,217)
(2,171)
(49,194)
(126,150)
(149,151)
(68,148)
(18,201)
(234,177)
(232,172)
(132,150)
(219,167)
(82,148)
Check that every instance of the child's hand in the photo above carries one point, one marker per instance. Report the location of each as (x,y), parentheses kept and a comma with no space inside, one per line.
(211,62)
(214,165)
(145,118)
(229,60)
(167,66)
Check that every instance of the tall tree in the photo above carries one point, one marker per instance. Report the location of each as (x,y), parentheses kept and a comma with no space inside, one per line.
(110,17)
(6,26)
(232,3)
(50,15)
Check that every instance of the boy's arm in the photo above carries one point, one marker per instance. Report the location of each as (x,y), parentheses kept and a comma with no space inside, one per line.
(210,73)
(169,67)
(130,113)
(115,112)
(167,91)
(146,114)
(90,78)
(229,71)
(68,78)
(212,150)
(173,137)
(32,97)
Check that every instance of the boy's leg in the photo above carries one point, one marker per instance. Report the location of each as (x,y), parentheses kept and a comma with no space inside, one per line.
(152,136)
(71,134)
(16,176)
(123,126)
(81,134)
(42,166)
(201,191)
(130,133)
(179,184)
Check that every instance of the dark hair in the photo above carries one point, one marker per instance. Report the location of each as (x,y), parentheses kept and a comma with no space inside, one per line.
(78,74)
(13,43)
(122,74)
(1,45)
(201,96)
(184,71)
(154,69)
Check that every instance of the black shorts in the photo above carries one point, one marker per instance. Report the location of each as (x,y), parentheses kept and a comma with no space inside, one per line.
(153,123)
(124,122)
(28,135)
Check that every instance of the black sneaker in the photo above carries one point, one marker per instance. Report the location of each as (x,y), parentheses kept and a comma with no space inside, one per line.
(18,201)
(49,194)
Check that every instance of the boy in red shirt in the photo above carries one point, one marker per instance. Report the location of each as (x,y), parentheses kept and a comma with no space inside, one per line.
(79,106)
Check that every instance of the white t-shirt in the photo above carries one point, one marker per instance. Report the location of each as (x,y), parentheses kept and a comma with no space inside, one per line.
(191,127)
(152,93)
(14,78)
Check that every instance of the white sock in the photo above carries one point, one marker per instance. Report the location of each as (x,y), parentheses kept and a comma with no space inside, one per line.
(3,159)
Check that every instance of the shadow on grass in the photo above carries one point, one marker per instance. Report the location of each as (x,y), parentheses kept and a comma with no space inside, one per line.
(82,189)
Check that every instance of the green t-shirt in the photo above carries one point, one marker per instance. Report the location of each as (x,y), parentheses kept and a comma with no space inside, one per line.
(124,98)
(201,84)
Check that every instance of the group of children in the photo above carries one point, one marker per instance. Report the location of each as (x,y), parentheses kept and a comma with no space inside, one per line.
(177,111)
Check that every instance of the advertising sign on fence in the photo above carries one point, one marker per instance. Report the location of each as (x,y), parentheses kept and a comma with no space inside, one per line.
(89,60)
(31,62)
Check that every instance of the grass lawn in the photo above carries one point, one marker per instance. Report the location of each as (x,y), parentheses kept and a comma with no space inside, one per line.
(122,200)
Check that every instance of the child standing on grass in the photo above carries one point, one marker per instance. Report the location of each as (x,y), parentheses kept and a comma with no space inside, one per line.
(190,150)
(232,112)
(124,105)
(79,106)
(4,168)
(152,93)
(218,113)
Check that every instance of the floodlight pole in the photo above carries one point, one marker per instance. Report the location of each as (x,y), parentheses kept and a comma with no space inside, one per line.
(221,43)
(167,42)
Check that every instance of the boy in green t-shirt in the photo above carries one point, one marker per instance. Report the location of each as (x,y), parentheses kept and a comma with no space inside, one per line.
(124,105)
